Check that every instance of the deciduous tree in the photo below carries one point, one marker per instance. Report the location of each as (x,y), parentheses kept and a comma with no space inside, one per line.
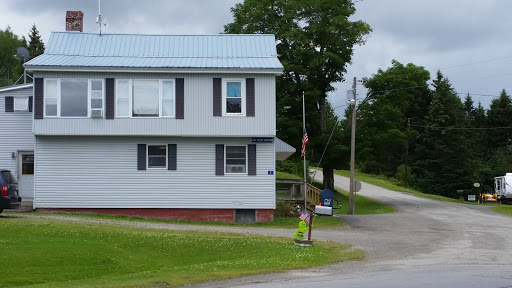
(315,41)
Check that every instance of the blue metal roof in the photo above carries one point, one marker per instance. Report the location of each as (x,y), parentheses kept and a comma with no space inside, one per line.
(75,49)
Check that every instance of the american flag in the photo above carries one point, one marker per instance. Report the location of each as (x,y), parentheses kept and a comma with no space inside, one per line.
(304,142)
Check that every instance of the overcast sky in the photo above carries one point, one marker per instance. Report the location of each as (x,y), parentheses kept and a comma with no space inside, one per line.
(470,40)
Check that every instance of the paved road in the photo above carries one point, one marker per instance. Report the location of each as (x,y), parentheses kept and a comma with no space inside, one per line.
(426,243)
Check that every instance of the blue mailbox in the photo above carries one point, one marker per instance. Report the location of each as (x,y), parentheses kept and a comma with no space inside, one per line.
(326,198)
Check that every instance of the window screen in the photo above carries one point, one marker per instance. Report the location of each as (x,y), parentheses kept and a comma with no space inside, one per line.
(20,104)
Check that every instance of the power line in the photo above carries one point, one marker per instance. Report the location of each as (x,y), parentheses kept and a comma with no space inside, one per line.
(461,128)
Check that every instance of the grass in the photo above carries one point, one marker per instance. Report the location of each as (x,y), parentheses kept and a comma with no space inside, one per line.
(284,175)
(364,205)
(503,209)
(279,222)
(50,253)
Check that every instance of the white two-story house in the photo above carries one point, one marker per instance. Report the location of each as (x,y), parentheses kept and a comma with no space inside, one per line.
(174,126)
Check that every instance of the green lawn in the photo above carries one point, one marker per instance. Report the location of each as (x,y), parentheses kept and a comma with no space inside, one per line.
(503,209)
(284,175)
(51,253)
(279,222)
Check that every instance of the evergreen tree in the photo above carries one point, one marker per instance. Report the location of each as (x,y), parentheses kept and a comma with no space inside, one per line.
(36,45)
(394,95)
(441,165)
(500,115)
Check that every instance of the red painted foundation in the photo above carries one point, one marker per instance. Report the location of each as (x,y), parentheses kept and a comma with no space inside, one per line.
(224,215)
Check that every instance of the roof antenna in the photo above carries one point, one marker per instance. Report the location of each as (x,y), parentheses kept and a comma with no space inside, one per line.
(100,20)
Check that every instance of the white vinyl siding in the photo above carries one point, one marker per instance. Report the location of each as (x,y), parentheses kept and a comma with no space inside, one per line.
(198,102)
(107,175)
(16,131)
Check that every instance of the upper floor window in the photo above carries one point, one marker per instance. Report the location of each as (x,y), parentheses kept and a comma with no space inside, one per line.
(233,97)
(145,98)
(20,103)
(73,97)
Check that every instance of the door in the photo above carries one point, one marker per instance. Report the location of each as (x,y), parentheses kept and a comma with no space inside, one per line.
(25,174)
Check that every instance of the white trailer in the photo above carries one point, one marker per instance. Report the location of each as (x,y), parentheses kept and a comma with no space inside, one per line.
(503,187)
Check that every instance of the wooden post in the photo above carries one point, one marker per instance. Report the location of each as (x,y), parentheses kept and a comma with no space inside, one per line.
(310,221)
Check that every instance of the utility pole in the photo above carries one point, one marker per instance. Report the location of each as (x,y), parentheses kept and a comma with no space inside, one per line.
(407,150)
(352,151)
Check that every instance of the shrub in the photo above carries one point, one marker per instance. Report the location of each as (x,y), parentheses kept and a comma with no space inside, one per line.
(284,209)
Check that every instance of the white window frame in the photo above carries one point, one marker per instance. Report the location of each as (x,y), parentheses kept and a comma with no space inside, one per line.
(242,94)
(16,109)
(160,99)
(226,159)
(166,157)
(59,95)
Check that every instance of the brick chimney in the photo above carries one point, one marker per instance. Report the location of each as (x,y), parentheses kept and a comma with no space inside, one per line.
(75,21)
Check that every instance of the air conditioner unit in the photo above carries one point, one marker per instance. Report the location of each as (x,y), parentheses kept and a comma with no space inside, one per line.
(96,113)
(236,169)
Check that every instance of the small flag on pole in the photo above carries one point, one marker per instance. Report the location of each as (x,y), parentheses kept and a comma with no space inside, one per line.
(305,140)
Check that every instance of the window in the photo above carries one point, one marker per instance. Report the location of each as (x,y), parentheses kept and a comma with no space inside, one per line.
(168,99)
(97,94)
(21,104)
(157,156)
(27,164)
(236,159)
(123,98)
(233,97)
(73,97)
(145,98)
(51,98)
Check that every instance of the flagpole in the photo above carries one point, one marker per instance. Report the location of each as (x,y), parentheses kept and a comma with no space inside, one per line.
(304,129)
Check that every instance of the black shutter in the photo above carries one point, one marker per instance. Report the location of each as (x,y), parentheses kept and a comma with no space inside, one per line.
(180,98)
(38,98)
(251,157)
(9,104)
(109,99)
(171,156)
(217,97)
(249,93)
(30,103)
(219,159)
(141,156)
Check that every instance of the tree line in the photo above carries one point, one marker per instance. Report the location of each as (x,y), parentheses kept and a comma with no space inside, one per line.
(10,66)
(449,143)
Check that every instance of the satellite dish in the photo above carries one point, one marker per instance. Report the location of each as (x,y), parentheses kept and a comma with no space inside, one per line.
(23,54)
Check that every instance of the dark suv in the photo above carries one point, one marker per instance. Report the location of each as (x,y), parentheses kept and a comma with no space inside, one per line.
(9,195)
